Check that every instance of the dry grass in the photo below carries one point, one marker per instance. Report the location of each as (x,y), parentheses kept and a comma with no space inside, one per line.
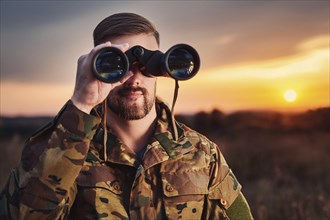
(282,161)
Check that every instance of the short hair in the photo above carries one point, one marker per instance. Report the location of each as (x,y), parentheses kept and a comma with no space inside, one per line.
(121,24)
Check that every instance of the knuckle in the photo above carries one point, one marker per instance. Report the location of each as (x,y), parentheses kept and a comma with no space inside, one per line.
(94,50)
(81,58)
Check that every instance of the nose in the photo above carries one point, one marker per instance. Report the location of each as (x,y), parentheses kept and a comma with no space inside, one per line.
(135,79)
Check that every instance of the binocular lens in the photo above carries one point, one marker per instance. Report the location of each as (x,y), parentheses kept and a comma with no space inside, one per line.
(110,66)
(181,64)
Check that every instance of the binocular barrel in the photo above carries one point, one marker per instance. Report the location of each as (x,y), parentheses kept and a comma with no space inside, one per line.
(180,62)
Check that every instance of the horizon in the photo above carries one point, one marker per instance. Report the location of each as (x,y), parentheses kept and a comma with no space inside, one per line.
(226,113)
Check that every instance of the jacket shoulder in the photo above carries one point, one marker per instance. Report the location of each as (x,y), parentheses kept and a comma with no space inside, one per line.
(198,140)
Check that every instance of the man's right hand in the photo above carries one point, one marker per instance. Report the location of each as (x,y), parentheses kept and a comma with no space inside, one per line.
(89,91)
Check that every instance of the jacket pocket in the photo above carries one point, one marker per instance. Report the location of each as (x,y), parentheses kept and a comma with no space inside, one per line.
(99,192)
(100,177)
(184,193)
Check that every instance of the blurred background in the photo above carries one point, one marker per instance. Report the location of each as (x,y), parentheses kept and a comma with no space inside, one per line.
(262,92)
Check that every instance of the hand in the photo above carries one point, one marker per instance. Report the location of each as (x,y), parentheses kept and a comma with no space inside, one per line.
(89,91)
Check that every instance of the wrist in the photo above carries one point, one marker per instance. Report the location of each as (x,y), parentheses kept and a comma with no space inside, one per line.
(78,122)
(82,106)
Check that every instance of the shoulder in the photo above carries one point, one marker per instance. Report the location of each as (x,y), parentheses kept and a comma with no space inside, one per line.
(198,140)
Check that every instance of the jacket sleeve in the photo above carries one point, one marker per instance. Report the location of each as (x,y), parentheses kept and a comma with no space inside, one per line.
(225,199)
(43,185)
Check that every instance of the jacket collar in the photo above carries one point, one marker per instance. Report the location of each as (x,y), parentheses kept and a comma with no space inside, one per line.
(168,141)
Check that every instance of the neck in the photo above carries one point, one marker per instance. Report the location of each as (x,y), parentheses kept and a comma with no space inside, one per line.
(133,133)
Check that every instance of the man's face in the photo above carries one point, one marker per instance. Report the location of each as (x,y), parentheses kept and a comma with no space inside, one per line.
(135,98)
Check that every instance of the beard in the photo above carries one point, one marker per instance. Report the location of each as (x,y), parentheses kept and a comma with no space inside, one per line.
(130,109)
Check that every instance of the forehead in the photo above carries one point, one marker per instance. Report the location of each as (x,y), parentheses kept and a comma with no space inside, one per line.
(147,41)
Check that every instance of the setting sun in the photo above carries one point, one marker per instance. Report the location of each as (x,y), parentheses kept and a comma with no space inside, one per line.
(290,95)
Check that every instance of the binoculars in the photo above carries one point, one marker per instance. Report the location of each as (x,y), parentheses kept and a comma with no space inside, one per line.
(180,62)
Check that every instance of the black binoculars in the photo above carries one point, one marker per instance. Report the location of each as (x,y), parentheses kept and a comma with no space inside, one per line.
(180,62)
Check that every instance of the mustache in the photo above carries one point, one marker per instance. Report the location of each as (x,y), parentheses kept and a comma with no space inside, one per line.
(128,89)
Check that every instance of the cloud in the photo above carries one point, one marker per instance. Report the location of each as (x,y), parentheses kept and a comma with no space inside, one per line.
(41,41)
(317,42)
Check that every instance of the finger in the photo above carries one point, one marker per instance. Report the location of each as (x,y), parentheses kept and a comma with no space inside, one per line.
(123,47)
(82,58)
(99,47)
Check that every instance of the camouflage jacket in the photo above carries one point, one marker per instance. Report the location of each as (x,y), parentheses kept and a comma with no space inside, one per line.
(63,174)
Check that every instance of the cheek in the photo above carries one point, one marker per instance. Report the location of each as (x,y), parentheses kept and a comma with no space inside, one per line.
(150,84)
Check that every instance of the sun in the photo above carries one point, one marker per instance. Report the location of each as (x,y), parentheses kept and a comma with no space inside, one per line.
(290,95)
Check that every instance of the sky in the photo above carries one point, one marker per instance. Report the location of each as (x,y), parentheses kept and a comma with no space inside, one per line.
(251,52)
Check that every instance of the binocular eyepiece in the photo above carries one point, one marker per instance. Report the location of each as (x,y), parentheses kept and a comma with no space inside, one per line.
(180,62)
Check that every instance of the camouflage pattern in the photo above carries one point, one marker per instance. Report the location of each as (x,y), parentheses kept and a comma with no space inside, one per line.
(63,174)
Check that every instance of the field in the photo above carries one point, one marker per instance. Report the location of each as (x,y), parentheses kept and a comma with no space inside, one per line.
(281,160)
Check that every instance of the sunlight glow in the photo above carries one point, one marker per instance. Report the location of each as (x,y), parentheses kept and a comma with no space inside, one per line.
(290,95)
(33,99)
(308,62)
(257,85)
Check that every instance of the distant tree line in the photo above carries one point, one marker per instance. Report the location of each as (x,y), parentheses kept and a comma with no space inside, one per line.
(216,120)
(205,122)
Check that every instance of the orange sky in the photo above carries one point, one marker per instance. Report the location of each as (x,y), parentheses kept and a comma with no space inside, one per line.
(261,85)
(251,53)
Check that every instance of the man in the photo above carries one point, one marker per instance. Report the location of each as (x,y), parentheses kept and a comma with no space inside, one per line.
(139,163)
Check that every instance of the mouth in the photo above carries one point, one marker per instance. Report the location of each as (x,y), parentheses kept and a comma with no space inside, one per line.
(131,93)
